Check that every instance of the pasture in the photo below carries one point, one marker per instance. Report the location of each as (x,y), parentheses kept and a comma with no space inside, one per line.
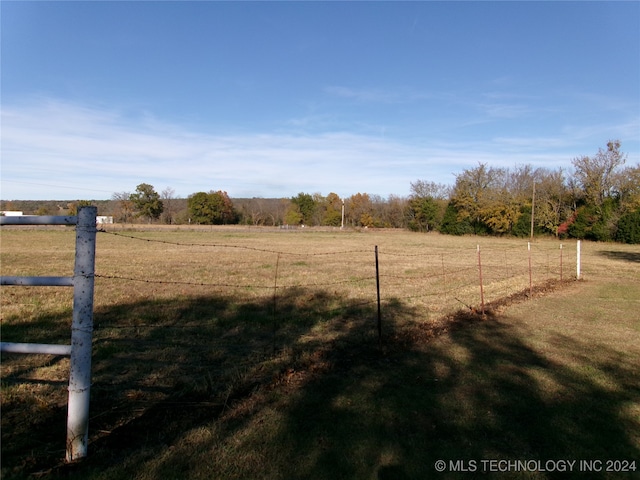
(255,353)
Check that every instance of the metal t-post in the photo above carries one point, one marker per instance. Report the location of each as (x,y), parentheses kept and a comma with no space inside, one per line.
(81,335)
(578,261)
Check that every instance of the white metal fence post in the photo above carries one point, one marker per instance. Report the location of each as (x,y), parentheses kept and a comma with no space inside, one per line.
(81,335)
(578,261)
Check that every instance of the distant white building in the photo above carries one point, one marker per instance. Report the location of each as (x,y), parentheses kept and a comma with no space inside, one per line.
(100,219)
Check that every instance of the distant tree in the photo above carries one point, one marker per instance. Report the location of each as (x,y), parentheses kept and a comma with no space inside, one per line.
(423,213)
(500,212)
(74,206)
(552,200)
(603,188)
(629,228)
(123,210)
(359,210)
(43,210)
(6,205)
(200,211)
(628,188)
(597,175)
(306,207)
(427,189)
(146,202)
(522,227)
(594,223)
(293,215)
(425,210)
(264,211)
(276,210)
(394,213)
(453,223)
(320,208)
(251,211)
(213,208)
(168,213)
(332,210)
(474,196)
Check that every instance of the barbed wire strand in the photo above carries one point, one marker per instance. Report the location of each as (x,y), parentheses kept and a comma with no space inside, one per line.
(226,245)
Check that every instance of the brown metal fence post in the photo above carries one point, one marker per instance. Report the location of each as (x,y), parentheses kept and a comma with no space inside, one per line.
(275,304)
(378,291)
(480,275)
(530,272)
(444,275)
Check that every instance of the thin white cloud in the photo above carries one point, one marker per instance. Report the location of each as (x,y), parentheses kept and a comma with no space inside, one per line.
(504,110)
(376,95)
(64,144)
(92,152)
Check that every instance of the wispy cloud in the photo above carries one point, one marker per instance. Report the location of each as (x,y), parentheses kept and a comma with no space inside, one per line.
(56,143)
(92,152)
(504,110)
(377,95)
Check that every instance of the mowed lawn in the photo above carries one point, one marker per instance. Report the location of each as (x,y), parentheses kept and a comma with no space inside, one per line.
(243,383)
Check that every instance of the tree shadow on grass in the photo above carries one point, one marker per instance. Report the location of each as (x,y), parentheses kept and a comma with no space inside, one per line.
(332,404)
(163,366)
(633,257)
(481,392)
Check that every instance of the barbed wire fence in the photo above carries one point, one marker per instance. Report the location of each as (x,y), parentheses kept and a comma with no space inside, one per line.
(440,282)
(206,327)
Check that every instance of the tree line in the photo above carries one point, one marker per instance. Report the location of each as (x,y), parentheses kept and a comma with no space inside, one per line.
(599,199)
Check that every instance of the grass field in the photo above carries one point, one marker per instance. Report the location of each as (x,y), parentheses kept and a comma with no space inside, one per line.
(254,353)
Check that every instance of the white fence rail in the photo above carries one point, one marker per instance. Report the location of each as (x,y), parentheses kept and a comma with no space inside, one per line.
(82,322)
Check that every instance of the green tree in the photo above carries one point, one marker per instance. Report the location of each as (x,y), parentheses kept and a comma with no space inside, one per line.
(146,202)
(332,210)
(213,208)
(293,215)
(306,207)
(423,213)
(522,227)
(593,223)
(455,224)
(426,205)
(629,228)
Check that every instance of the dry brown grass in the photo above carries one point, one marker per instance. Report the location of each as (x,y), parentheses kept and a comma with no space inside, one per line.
(206,317)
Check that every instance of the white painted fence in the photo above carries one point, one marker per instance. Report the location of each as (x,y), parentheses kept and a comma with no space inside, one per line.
(82,322)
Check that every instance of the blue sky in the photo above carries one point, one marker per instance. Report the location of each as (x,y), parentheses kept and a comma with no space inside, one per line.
(269,99)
